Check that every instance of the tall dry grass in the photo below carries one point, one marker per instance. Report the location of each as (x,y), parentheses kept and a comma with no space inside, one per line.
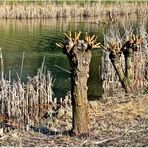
(53,10)
(24,104)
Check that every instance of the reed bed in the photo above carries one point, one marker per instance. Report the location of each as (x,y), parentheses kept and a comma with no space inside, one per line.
(52,10)
(111,84)
(24,104)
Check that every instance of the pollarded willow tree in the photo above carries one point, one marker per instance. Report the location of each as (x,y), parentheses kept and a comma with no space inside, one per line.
(79,55)
(126,46)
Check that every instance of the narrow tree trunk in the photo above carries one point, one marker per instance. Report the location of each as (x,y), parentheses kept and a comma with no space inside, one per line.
(116,48)
(115,59)
(128,55)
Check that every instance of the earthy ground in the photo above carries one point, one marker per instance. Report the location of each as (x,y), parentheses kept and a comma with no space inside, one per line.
(113,122)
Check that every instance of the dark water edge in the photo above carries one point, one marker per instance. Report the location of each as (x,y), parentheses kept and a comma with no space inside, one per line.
(37,38)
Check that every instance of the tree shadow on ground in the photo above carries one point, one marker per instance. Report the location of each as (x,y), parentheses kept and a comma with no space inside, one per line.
(44,130)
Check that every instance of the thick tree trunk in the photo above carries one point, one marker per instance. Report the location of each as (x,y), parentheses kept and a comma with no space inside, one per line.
(79,55)
(79,62)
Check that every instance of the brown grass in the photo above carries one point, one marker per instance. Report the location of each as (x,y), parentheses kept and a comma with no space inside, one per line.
(113,122)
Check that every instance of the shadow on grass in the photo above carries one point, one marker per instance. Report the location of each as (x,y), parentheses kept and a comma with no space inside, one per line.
(47,132)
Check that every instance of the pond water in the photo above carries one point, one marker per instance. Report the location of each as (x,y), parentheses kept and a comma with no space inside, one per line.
(37,38)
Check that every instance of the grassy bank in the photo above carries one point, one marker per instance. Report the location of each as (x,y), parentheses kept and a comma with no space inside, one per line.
(30,10)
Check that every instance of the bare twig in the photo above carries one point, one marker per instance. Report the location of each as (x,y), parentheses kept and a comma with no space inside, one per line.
(62,69)
(107,140)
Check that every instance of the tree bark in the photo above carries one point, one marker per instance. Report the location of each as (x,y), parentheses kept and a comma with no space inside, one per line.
(129,55)
(115,59)
(80,58)
(79,55)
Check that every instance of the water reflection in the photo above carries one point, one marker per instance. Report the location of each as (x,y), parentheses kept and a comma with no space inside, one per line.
(37,38)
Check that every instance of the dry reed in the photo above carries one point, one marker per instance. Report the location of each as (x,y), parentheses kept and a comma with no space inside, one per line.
(53,10)
(24,104)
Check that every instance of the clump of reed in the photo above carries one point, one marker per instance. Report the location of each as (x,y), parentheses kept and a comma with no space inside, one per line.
(111,84)
(52,10)
(24,104)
